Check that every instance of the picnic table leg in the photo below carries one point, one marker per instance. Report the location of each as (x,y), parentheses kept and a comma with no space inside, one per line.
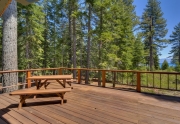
(22,100)
(64,82)
(43,83)
(47,83)
(38,86)
(36,83)
(61,83)
(61,95)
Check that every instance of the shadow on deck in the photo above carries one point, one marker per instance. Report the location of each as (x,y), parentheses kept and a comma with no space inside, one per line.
(89,104)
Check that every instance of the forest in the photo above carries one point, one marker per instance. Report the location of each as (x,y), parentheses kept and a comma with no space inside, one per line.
(99,34)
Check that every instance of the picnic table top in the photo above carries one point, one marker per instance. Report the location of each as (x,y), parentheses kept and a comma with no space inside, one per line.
(51,77)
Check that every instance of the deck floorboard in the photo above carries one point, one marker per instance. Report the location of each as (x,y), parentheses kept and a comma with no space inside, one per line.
(90,104)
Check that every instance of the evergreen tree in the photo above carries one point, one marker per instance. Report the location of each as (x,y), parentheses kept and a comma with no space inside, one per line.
(46,35)
(153,27)
(114,29)
(175,41)
(156,61)
(55,34)
(138,54)
(165,65)
(90,5)
(53,16)
(30,36)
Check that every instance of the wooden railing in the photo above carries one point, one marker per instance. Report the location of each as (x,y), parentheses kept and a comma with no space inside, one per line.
(109,78)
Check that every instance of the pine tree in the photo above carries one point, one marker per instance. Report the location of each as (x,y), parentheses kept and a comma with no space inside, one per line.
(46,35)
(54,34)
(156,61)
(175,41)
(30,36)
(165,65)
(90,5)
(153,27)
(138,54)
(114,24)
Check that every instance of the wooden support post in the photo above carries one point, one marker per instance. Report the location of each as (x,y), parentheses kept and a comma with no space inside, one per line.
(103,78)
(114,79)
(79,76)
(28,74)
(60,71)
(138,88)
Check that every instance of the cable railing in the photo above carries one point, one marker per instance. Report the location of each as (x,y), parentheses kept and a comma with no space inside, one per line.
(97,77)
(12,80)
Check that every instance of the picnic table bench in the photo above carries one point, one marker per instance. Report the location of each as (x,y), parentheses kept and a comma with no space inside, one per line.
(27,93)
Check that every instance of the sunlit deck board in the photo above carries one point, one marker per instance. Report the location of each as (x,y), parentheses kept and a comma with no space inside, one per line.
(88,104)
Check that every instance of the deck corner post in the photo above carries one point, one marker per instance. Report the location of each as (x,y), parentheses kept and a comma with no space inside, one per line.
(103,78)
(138,88)
(28,74)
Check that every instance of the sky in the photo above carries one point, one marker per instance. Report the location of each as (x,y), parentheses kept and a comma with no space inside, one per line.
(171,10)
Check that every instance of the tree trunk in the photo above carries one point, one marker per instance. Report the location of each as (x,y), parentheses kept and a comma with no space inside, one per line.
(70,34)
(54,38)
(151,55)
(100,45)
(45,44)
(27,44)
(179,54)
(74,47)
(151,46)
(9,50)
(88,44)
(45,47)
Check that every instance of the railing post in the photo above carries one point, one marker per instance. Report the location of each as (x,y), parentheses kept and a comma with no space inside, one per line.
(138,88)
(103,78)
(79,76)
(60,71)
(28,74)
(114,78)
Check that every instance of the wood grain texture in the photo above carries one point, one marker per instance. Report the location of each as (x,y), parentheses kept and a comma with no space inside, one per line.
(88,104)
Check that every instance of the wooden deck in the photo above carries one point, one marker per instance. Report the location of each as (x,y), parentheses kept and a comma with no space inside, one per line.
(89,104)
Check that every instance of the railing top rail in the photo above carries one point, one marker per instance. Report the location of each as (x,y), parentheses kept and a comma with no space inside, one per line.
(11,71)
(88,69)
(159,72)
(40,69)
(75,68)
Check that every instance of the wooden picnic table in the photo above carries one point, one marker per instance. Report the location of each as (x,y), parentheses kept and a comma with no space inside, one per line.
(61,79)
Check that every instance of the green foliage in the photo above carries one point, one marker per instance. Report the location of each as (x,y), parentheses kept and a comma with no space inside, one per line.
(138,54)
(46,33)
(165,65)
(175,41)
(115,29)
(177,67)
(30,29)
(156,61)
(153,27)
